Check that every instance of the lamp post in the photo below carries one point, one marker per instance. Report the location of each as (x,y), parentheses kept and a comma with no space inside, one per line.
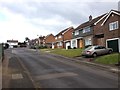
(38,40)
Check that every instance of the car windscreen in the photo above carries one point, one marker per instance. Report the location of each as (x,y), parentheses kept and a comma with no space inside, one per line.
(89,48)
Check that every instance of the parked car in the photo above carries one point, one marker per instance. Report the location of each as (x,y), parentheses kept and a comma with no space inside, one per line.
(96,50)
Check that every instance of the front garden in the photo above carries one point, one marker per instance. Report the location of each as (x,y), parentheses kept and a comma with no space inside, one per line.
(105,59)
(64,52)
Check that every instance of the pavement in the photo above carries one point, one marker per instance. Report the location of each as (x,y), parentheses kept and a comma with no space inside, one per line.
(25,68)
(112,68)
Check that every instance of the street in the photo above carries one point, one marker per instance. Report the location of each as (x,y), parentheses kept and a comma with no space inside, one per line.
(34,69)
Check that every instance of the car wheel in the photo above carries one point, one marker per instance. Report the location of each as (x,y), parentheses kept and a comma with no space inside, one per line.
(94,55)
(110,52)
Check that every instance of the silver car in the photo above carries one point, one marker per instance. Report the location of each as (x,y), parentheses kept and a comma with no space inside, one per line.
(96,50)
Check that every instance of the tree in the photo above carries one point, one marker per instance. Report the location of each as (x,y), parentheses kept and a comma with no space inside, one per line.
(27,39)
(6,46)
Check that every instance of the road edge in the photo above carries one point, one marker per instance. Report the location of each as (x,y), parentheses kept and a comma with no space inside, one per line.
(112,69)
(28,74)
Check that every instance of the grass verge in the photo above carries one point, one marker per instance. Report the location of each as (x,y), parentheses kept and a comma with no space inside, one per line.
(64,52)
(108,59)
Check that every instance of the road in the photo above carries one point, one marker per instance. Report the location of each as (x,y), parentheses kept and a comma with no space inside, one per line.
(50,71)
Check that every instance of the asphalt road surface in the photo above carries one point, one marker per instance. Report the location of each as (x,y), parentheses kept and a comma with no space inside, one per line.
(50,71)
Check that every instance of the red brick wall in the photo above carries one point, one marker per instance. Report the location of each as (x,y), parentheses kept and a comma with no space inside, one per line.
(98,29)
(50,39)
(114,33)
(68,35)
(105,30)
(59,39)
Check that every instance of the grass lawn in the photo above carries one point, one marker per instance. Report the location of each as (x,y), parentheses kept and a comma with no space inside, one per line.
(108,59)
(64,52)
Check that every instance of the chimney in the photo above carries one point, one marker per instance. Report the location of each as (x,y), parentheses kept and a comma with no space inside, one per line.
(90,18)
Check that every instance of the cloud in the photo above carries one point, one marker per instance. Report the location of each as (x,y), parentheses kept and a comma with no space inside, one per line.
(21,18)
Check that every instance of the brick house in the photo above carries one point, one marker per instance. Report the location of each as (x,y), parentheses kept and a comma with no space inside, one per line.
(67,37)
(83,34)
(41,41)
(62,39)
(37,41)
(107,31)
(49,41)
(98,33)
(111,30)
(33,42)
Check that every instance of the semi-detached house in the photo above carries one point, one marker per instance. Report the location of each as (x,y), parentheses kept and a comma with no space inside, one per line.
(107,31)
(49,41)
(63,38)
(103,30)
(83,34)
(111,30)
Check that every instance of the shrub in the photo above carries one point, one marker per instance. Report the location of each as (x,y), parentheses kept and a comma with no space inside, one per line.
(74,48)
(42,47)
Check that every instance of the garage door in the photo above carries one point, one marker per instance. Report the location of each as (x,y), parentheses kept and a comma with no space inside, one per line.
(67,44)
(113,44)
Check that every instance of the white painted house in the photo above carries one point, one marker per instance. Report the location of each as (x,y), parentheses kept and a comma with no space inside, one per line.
(12,43)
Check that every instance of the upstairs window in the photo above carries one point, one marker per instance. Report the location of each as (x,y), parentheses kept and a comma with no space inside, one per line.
(60,36)
(86,29)
(77,32)
(55,37)
(113,25)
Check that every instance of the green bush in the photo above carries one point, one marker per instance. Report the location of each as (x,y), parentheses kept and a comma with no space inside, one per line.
(42,47)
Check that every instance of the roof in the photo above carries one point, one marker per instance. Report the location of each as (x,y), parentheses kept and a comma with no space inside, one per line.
(89,23)
(13,41)
(63,31)
(49,35)
(42,37)
(68,30)
(112,11)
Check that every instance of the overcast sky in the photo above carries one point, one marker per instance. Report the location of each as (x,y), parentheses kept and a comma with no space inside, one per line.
(29,18)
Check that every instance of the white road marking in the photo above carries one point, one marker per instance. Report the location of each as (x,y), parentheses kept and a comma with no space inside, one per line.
(14,51)
(55,75)
(17,76)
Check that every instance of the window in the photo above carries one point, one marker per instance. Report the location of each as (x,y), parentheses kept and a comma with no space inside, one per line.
(100,47)
(74,43)
(59,44)
(77,32)
(97,47)
(88,41)
(60,36)
(55,37)
(86,29)
(113,25)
